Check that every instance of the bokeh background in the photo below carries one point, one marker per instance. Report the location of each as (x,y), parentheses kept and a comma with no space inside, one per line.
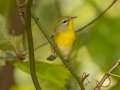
(96,49)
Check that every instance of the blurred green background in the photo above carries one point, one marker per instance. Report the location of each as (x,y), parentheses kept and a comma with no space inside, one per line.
(96,49)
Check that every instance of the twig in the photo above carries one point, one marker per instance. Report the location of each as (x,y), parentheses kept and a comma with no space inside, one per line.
(114,75)
(84,76)
(98,17)
(30,45)
(92,21)
(65,62)
(107,75)
(41,45)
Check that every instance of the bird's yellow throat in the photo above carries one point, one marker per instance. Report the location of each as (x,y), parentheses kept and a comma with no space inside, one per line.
(65,39)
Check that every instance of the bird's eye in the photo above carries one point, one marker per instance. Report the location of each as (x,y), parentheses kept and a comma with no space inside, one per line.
(65,21)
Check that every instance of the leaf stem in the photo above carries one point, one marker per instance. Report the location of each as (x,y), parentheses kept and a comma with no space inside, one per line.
(30,45)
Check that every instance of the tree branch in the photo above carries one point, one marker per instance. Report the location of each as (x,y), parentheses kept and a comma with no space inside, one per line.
(107,75)
(98,17)
(30,45)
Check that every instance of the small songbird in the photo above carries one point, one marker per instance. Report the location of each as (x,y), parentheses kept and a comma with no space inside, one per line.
(64,37)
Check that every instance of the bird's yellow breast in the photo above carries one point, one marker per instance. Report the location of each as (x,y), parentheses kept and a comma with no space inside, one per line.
(65,39)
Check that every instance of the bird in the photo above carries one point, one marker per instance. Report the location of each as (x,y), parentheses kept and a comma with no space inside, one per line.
(64,37)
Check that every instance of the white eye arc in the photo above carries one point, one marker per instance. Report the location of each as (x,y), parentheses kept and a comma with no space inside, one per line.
(65,21)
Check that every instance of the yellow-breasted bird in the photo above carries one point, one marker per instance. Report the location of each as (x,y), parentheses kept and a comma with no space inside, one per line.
(64,37)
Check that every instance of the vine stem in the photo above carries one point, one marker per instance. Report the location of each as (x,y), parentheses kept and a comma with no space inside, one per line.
(30,45)
(64,61)
(107,75)
(98,17)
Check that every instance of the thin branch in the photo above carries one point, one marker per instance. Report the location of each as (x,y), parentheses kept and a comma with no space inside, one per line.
(30,45)
(98,17)
(114,75)
(41,45)
(92,21)
(65,62)
(84,77)
(107,75)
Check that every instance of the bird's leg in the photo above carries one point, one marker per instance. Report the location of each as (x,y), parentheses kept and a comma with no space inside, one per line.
(53,55)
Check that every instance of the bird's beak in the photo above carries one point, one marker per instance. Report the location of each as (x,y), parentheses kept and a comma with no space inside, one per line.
(73,17)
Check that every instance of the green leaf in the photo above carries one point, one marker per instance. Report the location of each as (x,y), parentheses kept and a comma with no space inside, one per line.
(55,75)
